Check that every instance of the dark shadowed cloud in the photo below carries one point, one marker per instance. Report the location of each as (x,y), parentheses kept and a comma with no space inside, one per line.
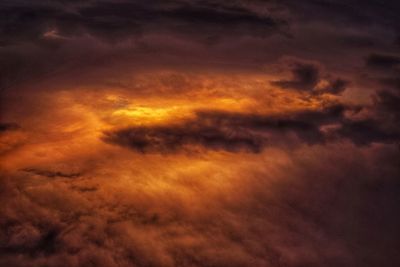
(52,174)
(175,137)
(391,82)
(383,61)
(8,126)
(252,132)
(115,20)
(305,77)
(226,131)
(335,87)
(235,132)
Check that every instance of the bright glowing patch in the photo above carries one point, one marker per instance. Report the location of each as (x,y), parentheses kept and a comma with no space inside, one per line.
(149,115)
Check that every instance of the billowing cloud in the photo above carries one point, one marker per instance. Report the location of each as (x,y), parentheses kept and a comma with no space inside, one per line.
(277,215)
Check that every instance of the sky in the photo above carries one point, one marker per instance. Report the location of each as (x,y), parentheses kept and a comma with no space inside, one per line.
(199,133)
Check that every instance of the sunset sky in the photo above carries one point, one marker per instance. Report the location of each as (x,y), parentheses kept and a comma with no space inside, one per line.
(199,133)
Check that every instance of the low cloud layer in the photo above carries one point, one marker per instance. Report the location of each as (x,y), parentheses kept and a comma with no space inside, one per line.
(276,216)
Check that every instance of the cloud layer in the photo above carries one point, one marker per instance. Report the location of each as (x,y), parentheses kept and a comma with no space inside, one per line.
(199,133)
(277,215)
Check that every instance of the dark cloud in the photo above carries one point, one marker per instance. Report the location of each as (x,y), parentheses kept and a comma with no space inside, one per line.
(381,127)
(8,126)
(387,108)
(344,12)
(391,82)
(175,137)
(113,21)
(228,131)
(41,41)
(249,132)
(364,132)
(305,77)
(383,61)
(336,87)
(359,41)
(52,174)
(28,22)
(301,121)
(39,37)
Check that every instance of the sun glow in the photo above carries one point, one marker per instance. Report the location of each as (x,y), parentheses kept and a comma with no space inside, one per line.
(144,115)
(160,112)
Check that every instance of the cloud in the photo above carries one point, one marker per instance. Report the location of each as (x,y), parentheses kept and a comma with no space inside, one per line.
(364,132)
(227,131)
(336,87)
(311,177)
(114,21)
(391,82)
(8,126)
(52,174)
(305,77)
(175,137)
(343,13)
(381,126)
(383,61)
(272,214)
(235,132)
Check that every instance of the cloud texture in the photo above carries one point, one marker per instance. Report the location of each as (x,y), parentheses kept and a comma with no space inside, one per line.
(199,133)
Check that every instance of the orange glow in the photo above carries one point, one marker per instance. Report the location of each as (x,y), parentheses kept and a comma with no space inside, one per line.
(193,133)
(77,120)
